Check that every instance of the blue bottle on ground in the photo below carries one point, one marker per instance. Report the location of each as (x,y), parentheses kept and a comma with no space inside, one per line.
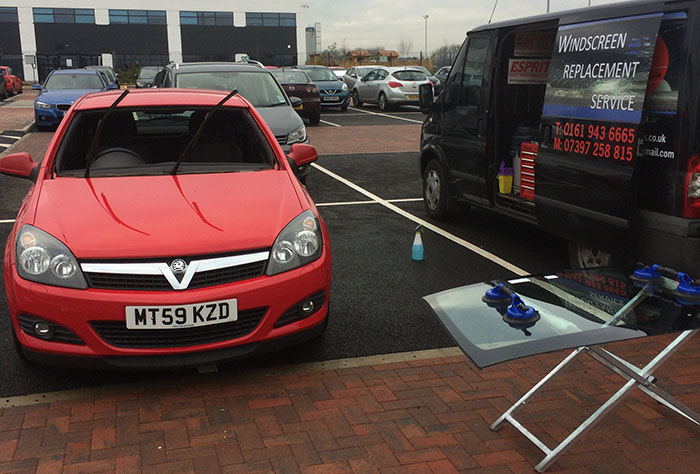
(417,250)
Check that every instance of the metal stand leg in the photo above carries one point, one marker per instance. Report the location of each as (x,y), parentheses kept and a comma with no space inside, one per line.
(635,377)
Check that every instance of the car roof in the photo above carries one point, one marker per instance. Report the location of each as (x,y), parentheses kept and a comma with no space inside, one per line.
(164,97)
(212,67)
(309,66)
(75,71)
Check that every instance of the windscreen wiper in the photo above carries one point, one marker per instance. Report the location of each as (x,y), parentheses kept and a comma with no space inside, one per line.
(199,131)
(98,131)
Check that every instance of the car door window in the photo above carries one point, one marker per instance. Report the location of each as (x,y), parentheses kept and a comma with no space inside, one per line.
(381,75)
(371,76)
(352,72)
(472,76)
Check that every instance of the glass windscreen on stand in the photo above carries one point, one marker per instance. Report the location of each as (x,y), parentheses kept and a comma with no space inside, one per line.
(569,309)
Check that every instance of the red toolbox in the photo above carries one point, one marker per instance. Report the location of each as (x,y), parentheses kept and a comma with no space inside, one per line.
(528,153)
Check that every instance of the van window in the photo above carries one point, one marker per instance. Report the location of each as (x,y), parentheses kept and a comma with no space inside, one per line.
(473,72)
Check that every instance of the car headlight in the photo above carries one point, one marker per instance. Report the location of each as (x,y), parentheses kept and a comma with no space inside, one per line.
(42,105)
(345,87)
(299,243)
(42,258)
(298,135)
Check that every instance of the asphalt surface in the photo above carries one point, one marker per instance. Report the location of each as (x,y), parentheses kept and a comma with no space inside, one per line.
(377,290)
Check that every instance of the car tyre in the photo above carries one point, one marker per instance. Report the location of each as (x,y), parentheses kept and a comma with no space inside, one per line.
(315,119)
(383,102)
(438,202)
(344,107)
(14,92)
(356,102)
(584,256)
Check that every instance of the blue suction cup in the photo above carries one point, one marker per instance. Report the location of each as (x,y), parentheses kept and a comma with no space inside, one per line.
(496,296)
(687,291)
(519,314)
(646,275)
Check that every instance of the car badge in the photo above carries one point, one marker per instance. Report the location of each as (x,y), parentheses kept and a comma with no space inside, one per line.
(178,266)
(291,88)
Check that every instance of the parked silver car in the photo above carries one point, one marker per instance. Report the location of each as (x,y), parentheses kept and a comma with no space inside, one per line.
(354,74)
(388,87)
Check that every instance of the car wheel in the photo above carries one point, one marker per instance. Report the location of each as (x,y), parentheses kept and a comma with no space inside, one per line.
(344,107)
(13,90)
(315,119)
(356,102)
(437,200)
(584,256)
(383,102)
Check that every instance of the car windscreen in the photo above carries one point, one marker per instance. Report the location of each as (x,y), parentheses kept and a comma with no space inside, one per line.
(73,81)
(259,88)
(148,141)
(320,74)
(148,72)
(291,77)
(410,76)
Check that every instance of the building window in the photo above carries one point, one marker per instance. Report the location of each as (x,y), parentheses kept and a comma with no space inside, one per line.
(206,18)
(270,19)
(137,17)
(8,15)
(64,15)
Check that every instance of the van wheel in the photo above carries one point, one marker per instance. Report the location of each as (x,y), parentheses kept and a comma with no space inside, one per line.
(383,103)
(438,202)
(356,102)
(583,256)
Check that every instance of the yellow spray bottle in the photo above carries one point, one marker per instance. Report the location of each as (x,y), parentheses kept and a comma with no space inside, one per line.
(417,250)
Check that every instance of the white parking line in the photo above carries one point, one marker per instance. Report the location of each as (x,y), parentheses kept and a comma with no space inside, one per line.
(354,203)
(7,221)
(468,245)
(330,123)
(390,116)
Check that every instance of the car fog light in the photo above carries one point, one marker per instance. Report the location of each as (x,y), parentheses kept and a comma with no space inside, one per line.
(43,330)
(307,307)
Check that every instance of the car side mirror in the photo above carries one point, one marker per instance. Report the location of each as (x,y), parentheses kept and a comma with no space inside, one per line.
(20,165)
(296,101)
(36,87)
(303,154)
(425,97)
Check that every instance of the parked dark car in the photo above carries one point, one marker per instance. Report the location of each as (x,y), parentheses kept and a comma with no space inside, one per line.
(297,84)
(112,76)
(334,92)
(146,76)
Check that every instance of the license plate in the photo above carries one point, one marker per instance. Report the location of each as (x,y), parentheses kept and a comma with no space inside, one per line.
(331,98)
(182,316)
(412,97)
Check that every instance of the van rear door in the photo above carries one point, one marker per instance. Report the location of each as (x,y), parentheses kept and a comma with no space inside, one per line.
(585,180)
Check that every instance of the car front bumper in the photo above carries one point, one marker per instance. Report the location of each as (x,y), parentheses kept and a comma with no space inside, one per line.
(340,99)
(48,117)
(81,311)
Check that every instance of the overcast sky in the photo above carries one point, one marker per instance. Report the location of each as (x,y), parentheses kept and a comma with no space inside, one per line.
(369,23)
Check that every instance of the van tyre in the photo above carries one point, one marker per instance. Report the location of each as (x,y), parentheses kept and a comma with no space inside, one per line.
(383,103)
(584,256)
(437,199)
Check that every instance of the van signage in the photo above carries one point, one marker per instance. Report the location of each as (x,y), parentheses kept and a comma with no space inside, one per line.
(600,69)
(534,44)
(528,71)
(597,85)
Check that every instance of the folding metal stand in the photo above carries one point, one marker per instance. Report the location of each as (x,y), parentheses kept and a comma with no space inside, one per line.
(635,377)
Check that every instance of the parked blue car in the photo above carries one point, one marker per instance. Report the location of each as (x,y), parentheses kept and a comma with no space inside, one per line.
(334,92)
(61,89)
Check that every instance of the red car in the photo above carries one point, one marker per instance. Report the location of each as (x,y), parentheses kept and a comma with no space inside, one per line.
(166,228)
(13,82)
(297,84)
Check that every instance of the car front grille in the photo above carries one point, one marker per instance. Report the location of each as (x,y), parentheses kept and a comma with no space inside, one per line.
(116,333)
(160,276)
(114,281)
(63,106)
(281,139)
(331,91)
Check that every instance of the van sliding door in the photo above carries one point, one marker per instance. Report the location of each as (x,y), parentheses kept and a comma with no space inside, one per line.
(585,184)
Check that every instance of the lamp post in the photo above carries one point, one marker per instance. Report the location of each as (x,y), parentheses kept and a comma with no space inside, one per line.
(426,37)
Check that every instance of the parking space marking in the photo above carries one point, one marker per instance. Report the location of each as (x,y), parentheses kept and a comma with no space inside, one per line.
(7,221)
(330,123)
(390,116)
(427,225)
(354,203)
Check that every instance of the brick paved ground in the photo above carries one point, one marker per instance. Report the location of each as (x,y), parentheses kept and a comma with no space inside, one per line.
(17,112)
(420,416)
